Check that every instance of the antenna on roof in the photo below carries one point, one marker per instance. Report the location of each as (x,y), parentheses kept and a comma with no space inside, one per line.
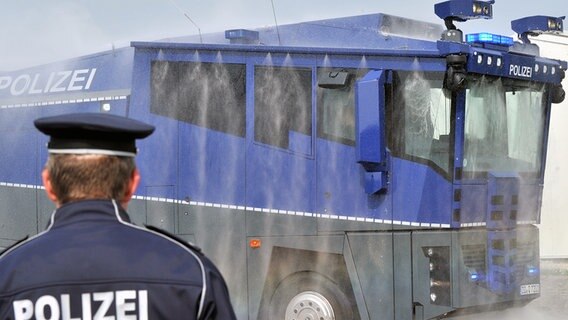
(188,18)
(276,22)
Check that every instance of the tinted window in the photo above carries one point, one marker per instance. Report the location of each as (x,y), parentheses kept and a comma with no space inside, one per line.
(421,120)
(283,107)
(336,104)
(210,95)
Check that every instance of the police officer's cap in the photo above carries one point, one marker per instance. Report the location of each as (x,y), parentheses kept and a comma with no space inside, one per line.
(93,133)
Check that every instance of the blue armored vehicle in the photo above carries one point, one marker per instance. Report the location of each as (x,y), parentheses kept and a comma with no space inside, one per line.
(368,167)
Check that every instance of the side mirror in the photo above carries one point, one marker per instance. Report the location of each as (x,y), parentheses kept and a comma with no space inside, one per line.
(370,128)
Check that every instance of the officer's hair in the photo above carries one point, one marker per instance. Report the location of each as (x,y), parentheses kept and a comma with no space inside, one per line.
(80,177)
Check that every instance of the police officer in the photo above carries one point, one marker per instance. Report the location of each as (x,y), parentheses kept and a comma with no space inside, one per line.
(91,263)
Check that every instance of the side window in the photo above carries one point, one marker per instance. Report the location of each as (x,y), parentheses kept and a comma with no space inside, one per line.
(283,107)
(421,119)
(336,104)
(210,95)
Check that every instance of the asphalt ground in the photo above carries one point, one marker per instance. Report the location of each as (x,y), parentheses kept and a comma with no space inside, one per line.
(553,301)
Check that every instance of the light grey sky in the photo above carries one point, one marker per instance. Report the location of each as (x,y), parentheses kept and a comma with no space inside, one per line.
(39,31)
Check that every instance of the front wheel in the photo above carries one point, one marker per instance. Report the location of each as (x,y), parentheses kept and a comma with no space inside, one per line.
(309,296)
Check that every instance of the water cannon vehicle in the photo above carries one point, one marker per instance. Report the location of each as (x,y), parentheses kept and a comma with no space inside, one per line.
(366,167)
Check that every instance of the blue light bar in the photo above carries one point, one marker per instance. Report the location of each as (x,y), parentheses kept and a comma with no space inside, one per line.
(489,38)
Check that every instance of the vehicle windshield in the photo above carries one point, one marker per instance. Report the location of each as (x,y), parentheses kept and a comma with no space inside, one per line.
(504,126)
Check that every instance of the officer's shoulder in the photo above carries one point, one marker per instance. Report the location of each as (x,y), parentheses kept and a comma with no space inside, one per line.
(175,238)
(14,245)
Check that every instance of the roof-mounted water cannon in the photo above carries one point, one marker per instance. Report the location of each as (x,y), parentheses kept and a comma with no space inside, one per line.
(534,26)
(460,11)
(537,25)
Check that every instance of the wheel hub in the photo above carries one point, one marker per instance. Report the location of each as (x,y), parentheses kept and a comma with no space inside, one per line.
(309,305)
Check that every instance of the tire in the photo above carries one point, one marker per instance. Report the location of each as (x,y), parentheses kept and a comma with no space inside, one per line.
(308,295)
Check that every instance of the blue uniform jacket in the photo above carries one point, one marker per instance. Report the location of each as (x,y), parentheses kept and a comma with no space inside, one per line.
(91,263)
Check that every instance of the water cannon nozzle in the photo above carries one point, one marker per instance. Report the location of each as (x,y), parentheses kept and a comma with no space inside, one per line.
(463,10)
(537,25)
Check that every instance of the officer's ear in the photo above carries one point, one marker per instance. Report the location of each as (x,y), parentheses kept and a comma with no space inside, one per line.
(49,187)
(131,189)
